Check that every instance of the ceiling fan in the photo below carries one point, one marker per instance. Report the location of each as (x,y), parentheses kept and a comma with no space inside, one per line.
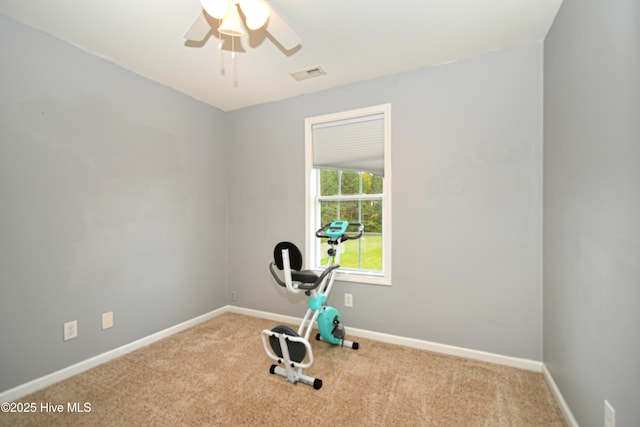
(257,14)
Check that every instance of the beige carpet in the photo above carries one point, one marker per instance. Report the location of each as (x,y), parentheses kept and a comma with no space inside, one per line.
(217,374)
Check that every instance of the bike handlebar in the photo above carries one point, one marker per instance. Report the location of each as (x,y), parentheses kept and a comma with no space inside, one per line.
(322,231)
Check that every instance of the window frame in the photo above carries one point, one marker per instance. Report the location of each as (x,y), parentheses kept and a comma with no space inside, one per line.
(311,188)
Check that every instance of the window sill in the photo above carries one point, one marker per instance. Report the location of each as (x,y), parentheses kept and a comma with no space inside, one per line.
(355,277)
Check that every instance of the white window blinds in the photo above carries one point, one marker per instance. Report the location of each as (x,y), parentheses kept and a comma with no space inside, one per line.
(355,144)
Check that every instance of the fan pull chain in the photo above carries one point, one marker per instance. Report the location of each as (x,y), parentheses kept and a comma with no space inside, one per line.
(233,47)
(235,61)
(235,73)
(220,44)
(222,71)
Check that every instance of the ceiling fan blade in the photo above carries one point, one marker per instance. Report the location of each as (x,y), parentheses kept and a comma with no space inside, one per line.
(281,31)
(198,29)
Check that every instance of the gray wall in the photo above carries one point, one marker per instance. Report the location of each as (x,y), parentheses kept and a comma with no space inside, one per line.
(112,198)
(592,207)
(467,202)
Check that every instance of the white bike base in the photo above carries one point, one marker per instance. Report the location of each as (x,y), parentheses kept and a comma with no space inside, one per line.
(289,369)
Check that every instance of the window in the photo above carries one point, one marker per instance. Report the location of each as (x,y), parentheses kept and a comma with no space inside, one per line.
(348,177)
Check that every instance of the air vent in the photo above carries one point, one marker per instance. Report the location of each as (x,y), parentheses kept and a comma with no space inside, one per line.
(308,73)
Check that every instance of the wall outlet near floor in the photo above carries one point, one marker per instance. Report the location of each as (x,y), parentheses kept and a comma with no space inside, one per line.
(234,296)
(107,320)
(348,300)
(609,415)
(70,330)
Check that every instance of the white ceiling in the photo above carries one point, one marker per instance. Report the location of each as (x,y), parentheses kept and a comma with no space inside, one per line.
(352,40)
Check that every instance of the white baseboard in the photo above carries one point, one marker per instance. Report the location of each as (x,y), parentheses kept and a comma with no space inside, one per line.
(85,365)
(50,379)
(566,412)
(264,315)
(529,365)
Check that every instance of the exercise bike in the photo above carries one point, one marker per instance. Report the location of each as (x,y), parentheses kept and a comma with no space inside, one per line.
(290,348)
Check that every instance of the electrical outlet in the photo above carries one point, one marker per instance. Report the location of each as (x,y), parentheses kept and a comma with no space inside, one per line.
(609,415)
(234,295)
(107,320)
(70,330)
(348,300)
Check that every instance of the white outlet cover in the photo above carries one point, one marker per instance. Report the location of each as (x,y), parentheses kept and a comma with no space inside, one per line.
(70,330)
(107,320)
(348,300)
(609,415)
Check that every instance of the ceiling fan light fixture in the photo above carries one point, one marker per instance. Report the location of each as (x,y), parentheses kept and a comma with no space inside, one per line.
(256,12)
(231,23)
(215,8)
